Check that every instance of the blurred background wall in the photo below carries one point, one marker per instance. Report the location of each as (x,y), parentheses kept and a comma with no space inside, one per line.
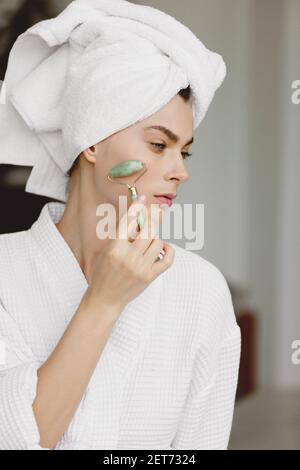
(245,169)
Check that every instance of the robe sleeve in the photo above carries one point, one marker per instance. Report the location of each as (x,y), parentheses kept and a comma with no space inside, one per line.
(206,420)
(18,388)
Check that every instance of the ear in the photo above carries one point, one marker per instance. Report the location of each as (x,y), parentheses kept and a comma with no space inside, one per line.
(90,154)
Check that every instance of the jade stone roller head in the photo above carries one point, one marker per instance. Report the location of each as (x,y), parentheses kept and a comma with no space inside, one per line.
(128,168)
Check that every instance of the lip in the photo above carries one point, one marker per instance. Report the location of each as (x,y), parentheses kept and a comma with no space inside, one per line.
(169,195)
(164,200)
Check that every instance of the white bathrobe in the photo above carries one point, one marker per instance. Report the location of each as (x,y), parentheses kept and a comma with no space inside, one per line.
(167,376)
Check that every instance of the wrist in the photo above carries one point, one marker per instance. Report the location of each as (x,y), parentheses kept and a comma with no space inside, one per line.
(100,306)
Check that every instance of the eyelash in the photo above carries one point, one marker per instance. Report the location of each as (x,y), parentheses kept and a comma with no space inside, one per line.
(186,154)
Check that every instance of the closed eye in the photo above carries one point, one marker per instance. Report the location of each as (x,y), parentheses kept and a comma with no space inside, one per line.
(162,147)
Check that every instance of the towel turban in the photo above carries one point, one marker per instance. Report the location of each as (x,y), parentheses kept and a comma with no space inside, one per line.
(95,69)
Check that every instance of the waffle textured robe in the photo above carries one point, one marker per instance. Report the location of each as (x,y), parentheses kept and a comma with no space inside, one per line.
(167,376)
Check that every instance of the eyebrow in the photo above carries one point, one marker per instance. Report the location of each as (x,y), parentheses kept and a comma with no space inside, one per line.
(169,133)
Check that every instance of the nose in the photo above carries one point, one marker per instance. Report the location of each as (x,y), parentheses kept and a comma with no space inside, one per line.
(177,170)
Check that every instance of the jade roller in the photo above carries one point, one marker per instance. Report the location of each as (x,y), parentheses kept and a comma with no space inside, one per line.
(128,168)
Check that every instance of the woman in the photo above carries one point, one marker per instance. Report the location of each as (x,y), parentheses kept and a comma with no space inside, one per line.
(107,346)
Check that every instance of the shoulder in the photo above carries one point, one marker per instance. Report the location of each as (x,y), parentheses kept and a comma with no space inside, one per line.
(203,289)
(198,270)
(13,246)
(16,259)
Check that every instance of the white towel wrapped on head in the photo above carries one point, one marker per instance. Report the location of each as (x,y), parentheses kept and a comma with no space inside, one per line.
(97,68)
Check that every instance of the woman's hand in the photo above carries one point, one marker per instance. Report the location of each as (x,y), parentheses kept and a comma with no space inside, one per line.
(128,265)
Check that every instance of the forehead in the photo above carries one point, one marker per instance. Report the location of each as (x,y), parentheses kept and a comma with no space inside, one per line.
(173,121)
(177,116)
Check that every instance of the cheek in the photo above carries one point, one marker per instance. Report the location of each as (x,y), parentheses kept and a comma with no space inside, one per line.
(131,150)
(153,171)
(124,149)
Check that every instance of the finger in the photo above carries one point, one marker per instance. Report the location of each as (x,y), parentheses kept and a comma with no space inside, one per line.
(149,229)
(165,263)
(153,251)
(128,221)
(136,226)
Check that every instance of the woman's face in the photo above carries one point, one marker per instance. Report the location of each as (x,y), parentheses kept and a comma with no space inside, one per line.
(164,158)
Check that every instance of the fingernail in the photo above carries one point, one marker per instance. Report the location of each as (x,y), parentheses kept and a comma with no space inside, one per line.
(141,198)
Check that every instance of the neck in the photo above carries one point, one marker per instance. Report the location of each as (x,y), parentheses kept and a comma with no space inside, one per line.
(78,228)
